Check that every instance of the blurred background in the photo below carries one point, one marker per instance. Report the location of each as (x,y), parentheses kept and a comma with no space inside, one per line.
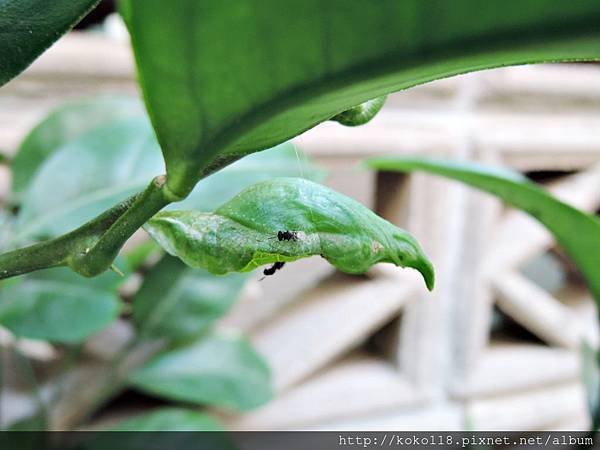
(496,345)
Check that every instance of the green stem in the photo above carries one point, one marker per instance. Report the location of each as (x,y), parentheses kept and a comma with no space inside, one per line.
(99,258)
(39,256)
(90,249)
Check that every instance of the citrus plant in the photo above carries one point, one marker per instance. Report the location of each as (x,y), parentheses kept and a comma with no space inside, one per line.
(223,79)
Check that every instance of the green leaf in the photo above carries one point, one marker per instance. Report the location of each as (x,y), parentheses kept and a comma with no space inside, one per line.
(131,434)
(169,419)
(576,231)
(180,303)
(89,175)
(217,370)
(224,78)
(360,114)
(284,160)
(62,126)
(243,233)
(28,27)
(59,305)
(111,162)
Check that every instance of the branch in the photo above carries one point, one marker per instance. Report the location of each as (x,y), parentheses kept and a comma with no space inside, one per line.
(90,249)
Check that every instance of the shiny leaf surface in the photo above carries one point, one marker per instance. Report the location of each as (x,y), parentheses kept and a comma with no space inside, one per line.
(28,27)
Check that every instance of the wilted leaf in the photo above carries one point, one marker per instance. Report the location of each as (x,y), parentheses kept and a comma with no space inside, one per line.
(217,370)
(244,233)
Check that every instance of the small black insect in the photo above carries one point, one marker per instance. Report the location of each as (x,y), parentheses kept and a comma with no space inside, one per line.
(287,235)
(271,270)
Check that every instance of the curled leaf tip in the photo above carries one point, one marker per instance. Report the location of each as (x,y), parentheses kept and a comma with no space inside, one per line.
(282,220)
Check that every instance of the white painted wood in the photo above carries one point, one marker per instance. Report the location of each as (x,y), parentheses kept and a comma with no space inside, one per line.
(442,417)
(512,367)
(532,410)
(329,320)
(358,385)
(536,310)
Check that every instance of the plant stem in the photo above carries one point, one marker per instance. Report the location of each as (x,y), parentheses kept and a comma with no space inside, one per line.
(90,249)
(38,256)
(99,258)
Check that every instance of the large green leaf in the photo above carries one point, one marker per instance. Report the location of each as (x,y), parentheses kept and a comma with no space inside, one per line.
(59,305)
(244,233)
(578,232)
(62,126)
(217,370)
(223,78)
(28,27)
(180,303)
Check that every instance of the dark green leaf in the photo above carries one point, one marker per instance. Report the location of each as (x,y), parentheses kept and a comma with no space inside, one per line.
(223,78)
(217,370)
(180,303)
(243,233)
(28,27)
(59,305)
(577,231)
(62,126)
(170,419)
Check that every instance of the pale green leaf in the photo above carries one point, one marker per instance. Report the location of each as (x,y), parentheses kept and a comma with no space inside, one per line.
(217,370)
(62,126)
(180,303)
(58,305)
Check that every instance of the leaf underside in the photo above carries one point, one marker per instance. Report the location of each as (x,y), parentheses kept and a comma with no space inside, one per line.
(290,65)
